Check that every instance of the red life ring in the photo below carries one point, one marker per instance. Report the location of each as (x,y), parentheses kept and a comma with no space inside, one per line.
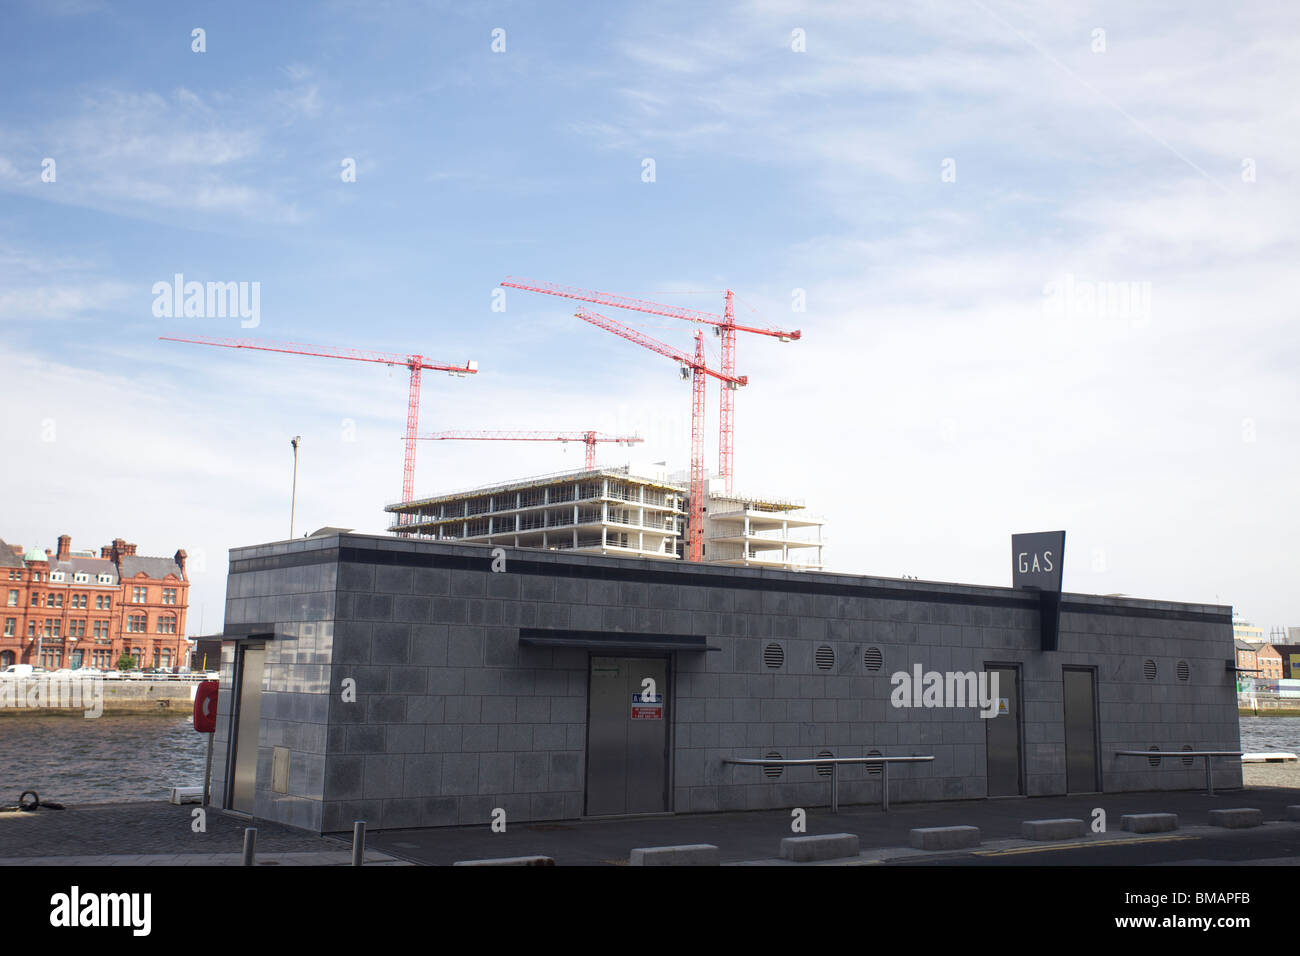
(205,707)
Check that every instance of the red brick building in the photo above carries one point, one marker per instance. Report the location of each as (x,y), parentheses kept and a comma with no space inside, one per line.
(72,609)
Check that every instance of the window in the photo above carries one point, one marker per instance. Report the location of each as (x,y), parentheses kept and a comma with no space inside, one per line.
(106,579)
(6,658)
(137,623)
(155,658)
(36,599)
(10,624)
(58,599)
(167,624)
(31,628)
(13,598)
(108,601)
(139,595)
(56,575)
(77,628)
(81,577)
(169,595)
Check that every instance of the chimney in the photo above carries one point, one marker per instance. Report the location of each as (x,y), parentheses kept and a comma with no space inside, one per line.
(130,551)
(65,546)
(48,554)
(180,560)
(106,552)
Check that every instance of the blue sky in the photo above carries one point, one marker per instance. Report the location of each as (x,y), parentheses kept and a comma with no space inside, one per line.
(941,397)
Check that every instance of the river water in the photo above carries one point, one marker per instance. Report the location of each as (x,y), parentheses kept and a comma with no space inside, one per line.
(73,760)
(69,759)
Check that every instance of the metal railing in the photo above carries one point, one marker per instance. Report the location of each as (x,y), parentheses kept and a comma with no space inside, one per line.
(1207,754)
(835,762)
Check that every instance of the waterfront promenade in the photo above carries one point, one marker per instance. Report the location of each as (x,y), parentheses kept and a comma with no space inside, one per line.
(158,833)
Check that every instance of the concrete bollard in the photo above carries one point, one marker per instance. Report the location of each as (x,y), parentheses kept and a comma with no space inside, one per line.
(828,846)
(1237,818)
(691,854)
(509,861)
(944,838)
(250,846)
(1059,829)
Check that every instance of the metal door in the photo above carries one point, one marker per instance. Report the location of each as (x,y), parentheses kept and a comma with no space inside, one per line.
(1080,731)
(247,717)
(1002,736)
(627,736)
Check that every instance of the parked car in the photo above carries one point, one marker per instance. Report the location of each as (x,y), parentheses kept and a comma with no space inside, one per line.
(18,671)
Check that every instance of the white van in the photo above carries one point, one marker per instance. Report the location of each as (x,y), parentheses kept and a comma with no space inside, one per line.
(17,670)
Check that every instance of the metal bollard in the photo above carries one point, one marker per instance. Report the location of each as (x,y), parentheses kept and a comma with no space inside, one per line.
(358,842)
(250,846)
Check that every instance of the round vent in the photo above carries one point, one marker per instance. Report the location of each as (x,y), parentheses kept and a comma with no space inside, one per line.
(825,658)
(874,769)
(773,655)
(1184,672)
(873,659)
(773,770)
(824,769)
(1149,670)
(1188,761)
(1154,761)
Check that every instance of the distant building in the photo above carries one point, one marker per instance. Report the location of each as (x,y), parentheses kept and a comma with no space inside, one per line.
(71,609)
(1247,657)
(1270,662)
(617,512)
(1250,633)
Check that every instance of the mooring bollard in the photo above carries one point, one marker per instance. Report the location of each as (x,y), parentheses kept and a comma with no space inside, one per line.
(358,842)
(250,845)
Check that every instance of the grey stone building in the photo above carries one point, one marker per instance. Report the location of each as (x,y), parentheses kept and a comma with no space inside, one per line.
(414,683)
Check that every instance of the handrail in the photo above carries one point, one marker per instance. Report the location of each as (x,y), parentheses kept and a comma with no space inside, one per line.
(835,762)
(1207,754)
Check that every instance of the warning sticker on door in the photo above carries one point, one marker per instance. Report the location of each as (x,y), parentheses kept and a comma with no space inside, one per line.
(1004,706)
(647,706)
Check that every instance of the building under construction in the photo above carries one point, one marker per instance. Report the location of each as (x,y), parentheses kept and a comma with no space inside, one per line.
(619,512)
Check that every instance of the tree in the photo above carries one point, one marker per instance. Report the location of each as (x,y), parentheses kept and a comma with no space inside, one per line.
(126,662)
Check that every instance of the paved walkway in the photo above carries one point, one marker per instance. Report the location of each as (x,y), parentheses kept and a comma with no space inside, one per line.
(755,837)
(159,834)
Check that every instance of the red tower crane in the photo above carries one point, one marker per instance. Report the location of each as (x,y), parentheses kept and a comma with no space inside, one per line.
(416,363)
(698,369)
(589,438)
(723,325)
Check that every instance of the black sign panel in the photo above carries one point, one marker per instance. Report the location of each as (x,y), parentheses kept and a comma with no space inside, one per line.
(1036,563)
(1037,559)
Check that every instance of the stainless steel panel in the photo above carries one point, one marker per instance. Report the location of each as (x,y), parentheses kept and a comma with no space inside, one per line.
(248,717)
(1002,738)
(1080,732)
(627,759)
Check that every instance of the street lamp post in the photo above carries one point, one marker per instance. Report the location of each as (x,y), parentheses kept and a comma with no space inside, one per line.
(293,501)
